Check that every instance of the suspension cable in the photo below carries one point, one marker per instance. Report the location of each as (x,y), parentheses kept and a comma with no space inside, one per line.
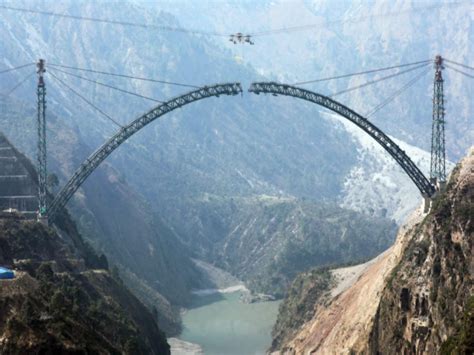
(124,76)
(459,71)
(115,22)
(460,64)
(353,20)
(20,83)
(11,69)
(362,72)
(87,101)
(219,34)
(108,86)
(377,81)
(396,94)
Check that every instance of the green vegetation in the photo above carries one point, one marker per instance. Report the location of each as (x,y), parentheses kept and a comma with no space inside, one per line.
(437,260)
(58,303)
(299,306)
(462,342)
(267,241)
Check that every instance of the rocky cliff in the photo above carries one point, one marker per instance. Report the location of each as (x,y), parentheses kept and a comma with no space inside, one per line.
(415,298)
(267,241)
(426,306)
(63,299)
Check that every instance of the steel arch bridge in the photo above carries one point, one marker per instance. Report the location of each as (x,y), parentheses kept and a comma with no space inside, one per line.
(96,158)
(422,183)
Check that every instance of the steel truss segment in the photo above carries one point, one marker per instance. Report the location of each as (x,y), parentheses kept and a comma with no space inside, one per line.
(42,162)
(96,158)
(421,182)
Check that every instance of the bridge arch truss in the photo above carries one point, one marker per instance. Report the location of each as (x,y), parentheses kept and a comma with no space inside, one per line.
(96,158)
(415,174)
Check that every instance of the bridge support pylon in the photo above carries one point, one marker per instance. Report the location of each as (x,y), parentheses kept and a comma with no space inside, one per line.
(41,126)
(438,152)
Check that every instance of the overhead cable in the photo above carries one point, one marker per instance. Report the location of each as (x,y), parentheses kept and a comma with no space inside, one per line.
(353,20)
(114,22)
(220,34)
(362,72)
(396,94)
(20,83)
(459,71)
(16,68)
(460,64)
(85,100)
(376,81)
(123,75)
(108,86)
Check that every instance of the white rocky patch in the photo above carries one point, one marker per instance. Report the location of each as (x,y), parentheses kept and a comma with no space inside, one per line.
(377,184)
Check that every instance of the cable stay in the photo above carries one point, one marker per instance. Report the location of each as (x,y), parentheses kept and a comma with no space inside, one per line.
(363,72)
(16,68)
(460,64)
(353,20)
(124,76)
(396,94)
(20,83)
(237,37)
(459,71)
(86,100)
(115,22)
(109,86)
(377,81)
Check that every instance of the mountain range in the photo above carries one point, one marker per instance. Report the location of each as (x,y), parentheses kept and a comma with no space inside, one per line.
(179,189)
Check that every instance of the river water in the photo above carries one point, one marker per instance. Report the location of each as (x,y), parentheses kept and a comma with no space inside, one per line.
(222,325)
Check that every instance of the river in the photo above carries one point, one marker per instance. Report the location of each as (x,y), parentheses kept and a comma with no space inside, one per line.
(222,325)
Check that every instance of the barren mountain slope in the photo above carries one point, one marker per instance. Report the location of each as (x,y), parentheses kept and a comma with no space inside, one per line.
(415,297)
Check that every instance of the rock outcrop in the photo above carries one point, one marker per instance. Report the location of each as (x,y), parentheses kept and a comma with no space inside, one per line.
(63,299)
(415,298)
(423,306)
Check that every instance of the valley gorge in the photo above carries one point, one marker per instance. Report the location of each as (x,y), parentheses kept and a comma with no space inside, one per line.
(238,214)
(415,298)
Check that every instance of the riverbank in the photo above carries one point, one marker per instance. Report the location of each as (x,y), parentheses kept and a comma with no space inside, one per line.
(221,320)
(230,289)
(181,347)
(222,324)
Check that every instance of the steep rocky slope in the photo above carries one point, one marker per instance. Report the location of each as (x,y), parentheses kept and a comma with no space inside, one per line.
(423,305)
(414,298)
(133,238)
(167,315)
(266,241)
(63,299)
(298,307)
(241,147)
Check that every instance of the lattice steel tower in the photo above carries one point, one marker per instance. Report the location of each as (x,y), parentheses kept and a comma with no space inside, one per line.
(42,168)
(438,155)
